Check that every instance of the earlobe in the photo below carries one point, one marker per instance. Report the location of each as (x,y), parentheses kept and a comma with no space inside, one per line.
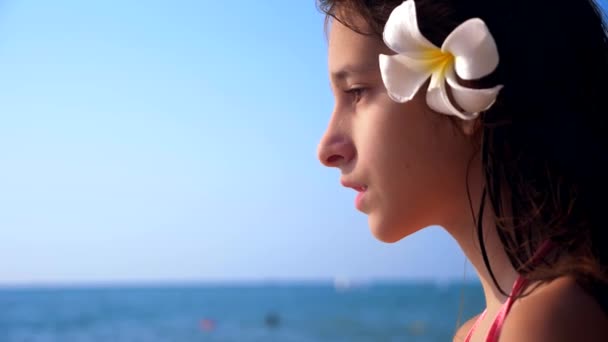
(469,127)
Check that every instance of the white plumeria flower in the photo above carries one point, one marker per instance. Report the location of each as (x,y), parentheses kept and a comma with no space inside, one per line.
(469,52)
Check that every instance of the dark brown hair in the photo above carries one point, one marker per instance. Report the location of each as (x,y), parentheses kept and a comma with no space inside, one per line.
(544,143)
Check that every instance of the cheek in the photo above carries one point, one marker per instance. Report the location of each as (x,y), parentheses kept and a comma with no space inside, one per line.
(401,148)
(396,157)
(410,169)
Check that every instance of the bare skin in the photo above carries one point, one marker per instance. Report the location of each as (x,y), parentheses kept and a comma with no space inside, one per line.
(411,164)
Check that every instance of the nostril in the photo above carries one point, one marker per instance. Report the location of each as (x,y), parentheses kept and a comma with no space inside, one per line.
(335,150)
(334,159)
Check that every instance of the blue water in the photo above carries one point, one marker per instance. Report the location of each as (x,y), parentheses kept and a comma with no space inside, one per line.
(389,312)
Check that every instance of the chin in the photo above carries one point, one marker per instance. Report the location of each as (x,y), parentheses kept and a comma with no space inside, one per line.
(387,230)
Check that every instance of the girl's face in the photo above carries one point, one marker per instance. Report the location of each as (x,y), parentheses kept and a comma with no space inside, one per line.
(407,163)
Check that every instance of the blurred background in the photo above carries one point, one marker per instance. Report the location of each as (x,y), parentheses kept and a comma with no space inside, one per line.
(159,182)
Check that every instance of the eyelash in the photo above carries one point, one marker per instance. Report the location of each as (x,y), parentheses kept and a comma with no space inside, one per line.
(357,92)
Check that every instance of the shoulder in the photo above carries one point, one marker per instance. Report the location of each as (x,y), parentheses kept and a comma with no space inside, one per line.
(464,329)
(557,311)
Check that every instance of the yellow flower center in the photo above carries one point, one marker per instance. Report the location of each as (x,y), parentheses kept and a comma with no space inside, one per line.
(438,61)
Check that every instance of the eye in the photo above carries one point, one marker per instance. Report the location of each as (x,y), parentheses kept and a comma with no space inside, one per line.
(356,93)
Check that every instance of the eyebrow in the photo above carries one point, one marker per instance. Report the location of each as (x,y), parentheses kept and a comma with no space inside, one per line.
(350,70)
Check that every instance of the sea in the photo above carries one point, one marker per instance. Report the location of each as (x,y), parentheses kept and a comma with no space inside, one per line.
(301,312)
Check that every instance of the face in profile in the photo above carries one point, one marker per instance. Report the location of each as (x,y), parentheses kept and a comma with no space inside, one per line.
(406,163)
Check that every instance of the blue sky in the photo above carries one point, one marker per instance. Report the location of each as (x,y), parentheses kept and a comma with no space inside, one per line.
(176,141)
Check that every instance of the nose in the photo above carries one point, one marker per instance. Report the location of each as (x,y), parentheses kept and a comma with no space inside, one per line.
(335,149)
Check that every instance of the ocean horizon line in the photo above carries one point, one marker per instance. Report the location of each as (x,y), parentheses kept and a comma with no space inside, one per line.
(339,282)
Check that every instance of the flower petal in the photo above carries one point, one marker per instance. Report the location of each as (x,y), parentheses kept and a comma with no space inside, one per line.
(437,97)
(472,100)
(403,76)
(474,48)
(401,33)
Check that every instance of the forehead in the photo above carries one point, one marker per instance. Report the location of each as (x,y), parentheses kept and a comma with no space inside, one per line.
(351,51)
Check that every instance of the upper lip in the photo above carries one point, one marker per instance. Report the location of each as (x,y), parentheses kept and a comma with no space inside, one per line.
(353,185)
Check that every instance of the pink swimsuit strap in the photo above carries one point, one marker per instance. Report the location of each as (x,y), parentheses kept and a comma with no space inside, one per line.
(494,331)
(518,287)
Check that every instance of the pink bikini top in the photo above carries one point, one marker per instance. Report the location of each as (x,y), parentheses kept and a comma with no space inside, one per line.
(518,287)
(494,332)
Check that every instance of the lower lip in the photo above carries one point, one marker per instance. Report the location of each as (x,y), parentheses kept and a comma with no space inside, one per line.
(359,199)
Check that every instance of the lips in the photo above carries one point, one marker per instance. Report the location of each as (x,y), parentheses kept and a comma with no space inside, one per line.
(361,191)
(360,188)
(356,186)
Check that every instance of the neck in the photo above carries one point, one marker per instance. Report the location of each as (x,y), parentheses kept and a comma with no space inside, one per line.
(465,233)
(502,269)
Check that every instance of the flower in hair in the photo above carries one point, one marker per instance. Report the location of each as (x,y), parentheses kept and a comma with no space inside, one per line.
(468,53)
